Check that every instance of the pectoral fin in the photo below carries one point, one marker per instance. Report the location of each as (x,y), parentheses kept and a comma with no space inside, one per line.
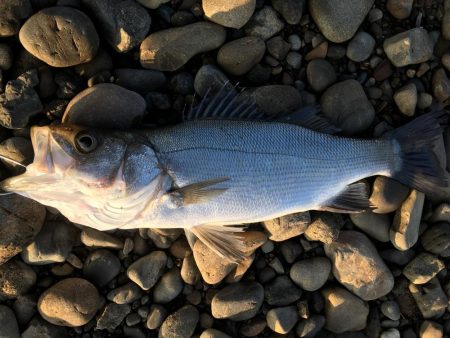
(200,192)
(354,199)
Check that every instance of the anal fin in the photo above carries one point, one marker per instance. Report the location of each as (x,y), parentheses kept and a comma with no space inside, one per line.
(354,199)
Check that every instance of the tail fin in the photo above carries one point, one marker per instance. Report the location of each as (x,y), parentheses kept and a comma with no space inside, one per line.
(419,167)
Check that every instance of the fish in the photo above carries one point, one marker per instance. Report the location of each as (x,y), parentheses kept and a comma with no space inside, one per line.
(225,166)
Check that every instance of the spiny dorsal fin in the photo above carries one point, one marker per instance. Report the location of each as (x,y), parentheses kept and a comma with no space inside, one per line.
(199,192)
(355,198)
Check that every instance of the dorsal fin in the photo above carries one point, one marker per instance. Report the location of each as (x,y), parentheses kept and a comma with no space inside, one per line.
(354,199)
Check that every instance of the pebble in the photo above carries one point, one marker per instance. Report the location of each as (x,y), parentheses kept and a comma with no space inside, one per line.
(189,271)
(264,24)
(423,268)
(290,250)
(278,47)
(21,220)
(123,23)
(405,226)
(141,81)
(16,279)
(73,41)
(344,311)
(390,309)
(339,20)
(436,239)
(211,78)
(25,308)
(12,12)
(409,48)
(20,101)
(446,21)
(239,56)
(273,100)
(289,226)
(93,238)
(294,60)
(41,328)
(290,10)
(295,42)
(125,294)
(311,274)
(181,323)
(71,302)
(147,270)
(424,101)
(360,47)
(168,287)
(8,323)
(310,327)
(430,298)
(112,315)
(18,149)
(346,105)
(281,291)
(324,228)
(52,245)
(6,58)
(101,267)
(213,333)
(229,13)
(182,83)
(238,302)
(375,225)
(358,266)
(430,329)
(387,195)
(156,316)
(446,60)
(390,333)
(282,319)
(400,9)
(152,4)
(106,106)
(319,52)
(320,74)
(239,271)
(441,85)
(170,49)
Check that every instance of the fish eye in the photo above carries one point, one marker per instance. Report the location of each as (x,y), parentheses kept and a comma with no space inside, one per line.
(86,142)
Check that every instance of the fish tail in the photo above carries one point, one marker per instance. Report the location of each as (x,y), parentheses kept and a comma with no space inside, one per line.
(416,164)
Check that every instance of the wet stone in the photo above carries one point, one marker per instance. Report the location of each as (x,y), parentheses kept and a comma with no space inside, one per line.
(101,266)
(436,239)
(283,228)
(281,291)
(147,270)
(189,271)
(181,323)
(446,20)
(282,319)
(229,13)
(264,24)
(290,250)
(423,268)
(311,274)
(112,315)
(213,333)
(16,279)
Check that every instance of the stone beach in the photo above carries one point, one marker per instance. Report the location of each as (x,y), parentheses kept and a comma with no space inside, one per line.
(370,65)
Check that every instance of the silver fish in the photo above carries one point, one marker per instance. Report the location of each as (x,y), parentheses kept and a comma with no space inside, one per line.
(220,168)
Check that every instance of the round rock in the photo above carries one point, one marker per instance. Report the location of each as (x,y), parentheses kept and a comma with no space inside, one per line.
(281,291)
(125,294)
(436,239)
(70,302)
(8,323)
(391,310)
(360,47)
(278,99)
(181,323)
(60,36)
(400,9)
(320,74)
(239,56)
(16,279)
(229,13)
(282,319)
(387,195)
(290,10)
(310,327)
(170,49)
(311,274)
(346,105)
(101,266)
(211,78)
(265,23)
(375,225)
(423,268)
(168,287)
(147,270)
(406,99)
(105,106)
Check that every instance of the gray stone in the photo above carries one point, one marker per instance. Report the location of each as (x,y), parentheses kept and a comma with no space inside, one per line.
(390,333)
(189,271)
(125,294)
(40,328)
(436,239)
(375,225)
(73,41)
(265,23)
(105,106)
(25,308)
(285,227)
(276,99)
(360,47)
(446,20)
(441,85)
(311,274)
(8,323)
(18,149)
(147,270)
(170,49)
(281,291)
(209,77)
(99,239)
(12,12)
(320,74)
(294,60)
(16,279)
(408,48)
(391,310)
(346,105)
(152,4)
(423,268)
(112,315)
(310,327)
(156,317)
(400,9)
(290,250)
(229,13)
(387,195)
(282,319)
(324,228)
(290,10)
(101,267)
(339,20)
(6,58)
(277,47)
(430,298)
(238,302)
(181,323)
(168,287)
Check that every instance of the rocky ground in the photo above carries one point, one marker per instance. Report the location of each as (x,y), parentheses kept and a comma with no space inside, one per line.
(372,66)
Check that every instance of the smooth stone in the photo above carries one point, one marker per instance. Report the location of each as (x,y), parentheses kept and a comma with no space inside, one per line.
(12,12)
(277,47)
(125,294)
(182,83)
(290,250)
(21,219)
(238,302)
(20,101)
(281,291)
(141,81)
(344,311)
(38,327)
(358,266)
(436,239)
(6,58)
(170,49)
(8,323)
(239,56)
(430,329)
(52,244)
(123,23)
(397,257)
(387,195)
(375,225)
(320,74)
(390,333)
(181,323)
(18,149)
(360,47)
(310,327)
(168,287)
(325,228)
(209,78)
(264,24)
(409,48)
(189,271)
(25,308)
(213,333)
(152,4)
(294,60)
(229,13)
(400,9)
(239,271)
(60,36)
(423,268)
(441,85)
(446,21)
(346,105)
(282,319)
(147,270)
(310,274)
(405,226)
(16,279)
(105,106)
(390,309)
(93,238)
(295,41)
(338,20)
(290,10)
(276,99)
(101,267)
(424,101)
(112,315)
(430,298)
(156,317)
(446,60)
(71,302)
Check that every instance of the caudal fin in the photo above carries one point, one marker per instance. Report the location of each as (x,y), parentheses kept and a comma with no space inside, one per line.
(418,166)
